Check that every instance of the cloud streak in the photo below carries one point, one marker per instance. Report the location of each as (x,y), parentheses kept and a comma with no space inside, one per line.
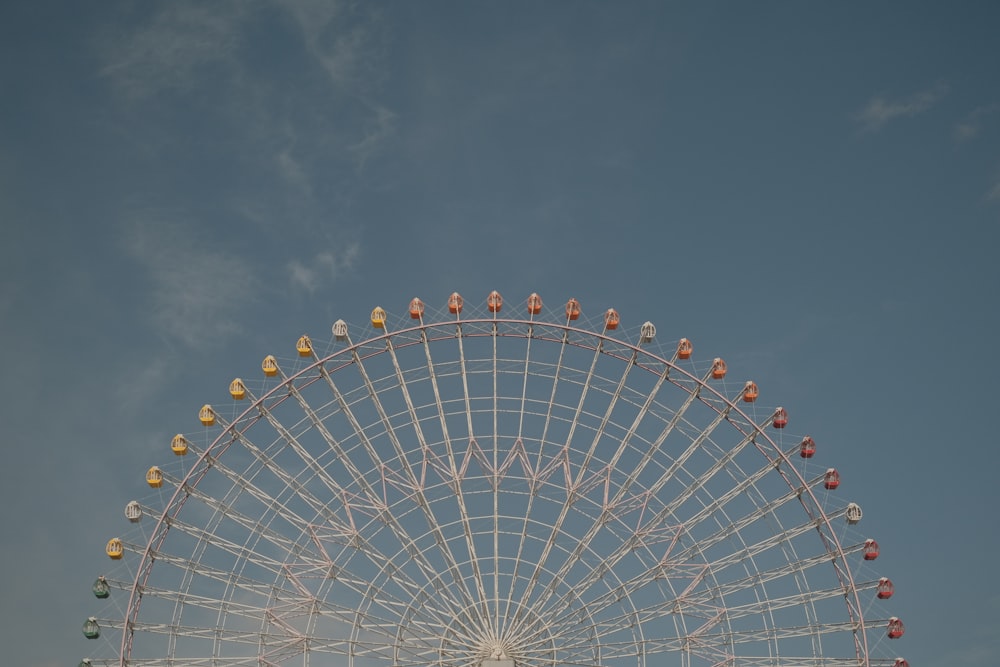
(197,292)
(970,126)
(882,110)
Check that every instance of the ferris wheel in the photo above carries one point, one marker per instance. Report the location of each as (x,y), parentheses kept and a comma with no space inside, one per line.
(468,488)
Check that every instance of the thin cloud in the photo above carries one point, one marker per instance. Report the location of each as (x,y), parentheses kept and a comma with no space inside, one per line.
(970,126)
(197,293)
(881,110)
(169,52)
(323,268)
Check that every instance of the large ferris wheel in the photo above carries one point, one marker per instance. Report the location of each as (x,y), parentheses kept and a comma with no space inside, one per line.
(468,488)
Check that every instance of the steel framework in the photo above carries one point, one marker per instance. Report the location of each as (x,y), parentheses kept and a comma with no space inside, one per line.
(488,490)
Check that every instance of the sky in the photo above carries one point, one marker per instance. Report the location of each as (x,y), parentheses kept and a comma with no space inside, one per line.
(811,191)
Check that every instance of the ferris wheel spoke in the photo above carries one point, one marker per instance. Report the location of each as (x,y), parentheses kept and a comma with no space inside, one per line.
(572,484)
(452,475)
(375,505)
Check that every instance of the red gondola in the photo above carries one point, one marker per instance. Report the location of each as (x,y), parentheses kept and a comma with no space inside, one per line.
(455,303)
(572,309)
(494,302)
(885,589)
(895,628)
(416,308)
(611,319)
(831,480)
(534,304)
(780,418)
(871,549)
(807,447)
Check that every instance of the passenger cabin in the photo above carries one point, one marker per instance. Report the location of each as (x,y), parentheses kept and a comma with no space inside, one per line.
(647,332)
(133,511)
(154,477)
(871,549)
(179,445)
(900,663)
(684,349)
(101,589)
(304,346)
(114,548)
(339,329)
(269,366)
(780,418)
(807,448)
(572,309)
(91,630)
(455,303)
(494,302)
(206,415)
(750,392)
(831,479)
(534,304)
(853,513)
(416,308)
(378,317)
(885,588)
(611,319)
(237,389)
(718,369)
(895,629)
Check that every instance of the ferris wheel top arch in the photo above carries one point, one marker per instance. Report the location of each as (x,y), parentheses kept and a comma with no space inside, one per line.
(472,604)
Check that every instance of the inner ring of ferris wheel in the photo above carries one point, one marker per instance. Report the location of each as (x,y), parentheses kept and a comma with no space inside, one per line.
(501,492)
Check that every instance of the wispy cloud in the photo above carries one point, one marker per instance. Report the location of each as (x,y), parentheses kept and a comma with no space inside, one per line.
(994,193)
(324,267)
(970,126)
(197,293)
(881,110)
(170,51)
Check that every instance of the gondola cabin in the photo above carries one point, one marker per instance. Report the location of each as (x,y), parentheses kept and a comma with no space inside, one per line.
(885,588)
(718,369)
(206,415)
(84,663)
(611,319)
(378,317)
(572,309)
(900,663)
(269,366)
(101,589)
(154,477)
(831,479)
(91,630)
(534,304)
(494,302)
(455,303)
(304,346)
(237,389)
(807,448)
(114,548)
(416,308)
(133,511)
(895,629)
(871,549)
(684,349)
(179,445)
(750,391)
(647,332)
(339,330)
(780,418)
(853,513)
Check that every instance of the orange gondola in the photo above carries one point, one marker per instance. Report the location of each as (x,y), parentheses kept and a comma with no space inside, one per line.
(534,304)
(611,319)
(455,303)
(572,309)
(416,308)
(494,302)
(684,348)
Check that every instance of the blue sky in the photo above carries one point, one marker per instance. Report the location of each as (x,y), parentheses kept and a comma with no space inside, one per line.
(811,191)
